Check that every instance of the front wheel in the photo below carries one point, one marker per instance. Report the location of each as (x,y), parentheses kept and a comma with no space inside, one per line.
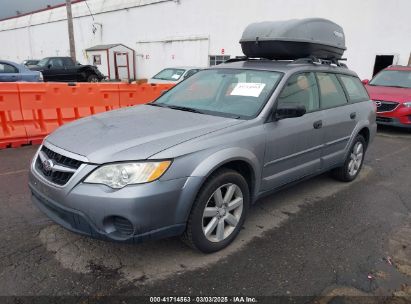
(92,78)
(218,212)
(354,161)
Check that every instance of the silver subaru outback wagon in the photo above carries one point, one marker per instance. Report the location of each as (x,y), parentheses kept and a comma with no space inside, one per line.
(193,161)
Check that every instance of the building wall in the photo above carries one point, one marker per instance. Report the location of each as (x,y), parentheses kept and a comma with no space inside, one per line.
(184,32)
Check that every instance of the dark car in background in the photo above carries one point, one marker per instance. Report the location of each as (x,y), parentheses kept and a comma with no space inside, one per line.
(64,69)
(12,72)
(391,91)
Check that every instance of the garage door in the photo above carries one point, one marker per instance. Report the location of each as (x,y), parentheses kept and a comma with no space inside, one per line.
(154,56)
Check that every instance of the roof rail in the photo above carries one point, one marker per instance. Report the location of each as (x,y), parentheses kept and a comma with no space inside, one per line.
(236,59)
(315,60)
(311,59)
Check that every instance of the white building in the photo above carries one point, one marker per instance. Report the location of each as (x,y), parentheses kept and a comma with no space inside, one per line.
(167,33)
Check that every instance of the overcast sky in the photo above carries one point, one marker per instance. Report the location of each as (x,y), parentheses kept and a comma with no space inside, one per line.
(8,8)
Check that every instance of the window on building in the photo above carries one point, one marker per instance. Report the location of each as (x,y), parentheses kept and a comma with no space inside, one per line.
(96,59)
(331,92)
(217,59)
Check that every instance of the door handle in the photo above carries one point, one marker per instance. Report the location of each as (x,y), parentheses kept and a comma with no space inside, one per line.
(318,124)
(353,115)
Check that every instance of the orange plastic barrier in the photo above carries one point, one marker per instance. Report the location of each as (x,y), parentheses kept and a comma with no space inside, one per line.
(30,111)
(46,107)
(12,130)
(139,94)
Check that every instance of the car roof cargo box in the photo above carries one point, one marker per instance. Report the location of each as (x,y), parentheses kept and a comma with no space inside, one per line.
(293,39)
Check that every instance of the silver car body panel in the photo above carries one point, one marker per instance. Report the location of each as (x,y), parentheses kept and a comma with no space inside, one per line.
(277,153)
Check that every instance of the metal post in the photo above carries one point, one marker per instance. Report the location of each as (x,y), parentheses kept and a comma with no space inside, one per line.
(70,30)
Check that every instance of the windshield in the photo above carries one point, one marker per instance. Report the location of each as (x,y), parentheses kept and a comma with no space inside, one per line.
(391,78)
(42,62)
(170,74)
(223,92)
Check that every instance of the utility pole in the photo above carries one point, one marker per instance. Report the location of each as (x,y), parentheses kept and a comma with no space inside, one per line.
(70,30)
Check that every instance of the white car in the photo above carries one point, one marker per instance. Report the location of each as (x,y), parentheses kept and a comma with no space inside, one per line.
(173,75)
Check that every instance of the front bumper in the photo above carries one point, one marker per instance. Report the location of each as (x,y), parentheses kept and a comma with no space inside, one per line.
(393,121)
(400,117)
(134,213)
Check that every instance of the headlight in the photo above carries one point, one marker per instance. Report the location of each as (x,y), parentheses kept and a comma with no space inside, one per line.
(122,174)
(41,78)
(407,104)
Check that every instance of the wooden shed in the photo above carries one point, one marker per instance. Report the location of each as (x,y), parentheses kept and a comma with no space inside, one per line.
(116,61)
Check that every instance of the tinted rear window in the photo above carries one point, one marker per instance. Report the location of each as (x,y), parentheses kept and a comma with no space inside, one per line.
(354,88)
(331,92)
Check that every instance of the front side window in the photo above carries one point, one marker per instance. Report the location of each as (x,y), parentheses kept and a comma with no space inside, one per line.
(391,78)
(170,74)
(7,68)
(331,92)
(301,89)
(354,88)
(56,62)
(43,62)
(223,92)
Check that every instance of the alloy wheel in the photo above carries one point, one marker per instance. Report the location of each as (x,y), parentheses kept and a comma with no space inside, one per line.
(222,212)
(356,159)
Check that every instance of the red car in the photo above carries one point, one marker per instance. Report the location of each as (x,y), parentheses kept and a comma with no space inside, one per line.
(391,91)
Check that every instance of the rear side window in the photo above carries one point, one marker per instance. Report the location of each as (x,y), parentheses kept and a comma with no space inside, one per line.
(331,92)
(354,88)
(301,89)
(7,68)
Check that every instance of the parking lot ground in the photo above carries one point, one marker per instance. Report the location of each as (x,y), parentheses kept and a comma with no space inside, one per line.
(318,238)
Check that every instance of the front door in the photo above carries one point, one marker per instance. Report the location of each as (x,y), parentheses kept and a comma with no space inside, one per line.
(293,145)
(121,65)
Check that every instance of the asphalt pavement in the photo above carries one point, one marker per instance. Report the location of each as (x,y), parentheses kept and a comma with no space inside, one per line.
(317,238)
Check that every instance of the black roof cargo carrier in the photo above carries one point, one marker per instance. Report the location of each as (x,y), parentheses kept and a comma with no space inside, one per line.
(293,39)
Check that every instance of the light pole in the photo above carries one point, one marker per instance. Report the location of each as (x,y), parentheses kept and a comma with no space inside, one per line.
(70,30)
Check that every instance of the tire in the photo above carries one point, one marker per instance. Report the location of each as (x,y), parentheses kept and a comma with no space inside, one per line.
(224,181)
(353,163)
(92,78)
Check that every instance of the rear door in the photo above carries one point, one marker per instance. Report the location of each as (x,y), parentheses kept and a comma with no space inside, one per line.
(340,119)
(70,70)
(57,71)
(9,73)
(293,145)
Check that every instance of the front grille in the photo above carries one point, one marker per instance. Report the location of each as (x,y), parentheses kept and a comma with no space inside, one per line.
(383,119)
(61,159)
(385,106)
(55,167)
(123,226)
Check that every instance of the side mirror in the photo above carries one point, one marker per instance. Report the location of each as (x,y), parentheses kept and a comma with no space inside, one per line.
(289,111)
(365,82)
(49,66)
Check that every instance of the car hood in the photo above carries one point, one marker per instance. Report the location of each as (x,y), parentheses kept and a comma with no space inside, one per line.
(389,93)
(161,81)
(134,133)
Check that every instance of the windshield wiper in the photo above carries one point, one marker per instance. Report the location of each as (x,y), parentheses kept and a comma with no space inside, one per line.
(181,108)
(156,104)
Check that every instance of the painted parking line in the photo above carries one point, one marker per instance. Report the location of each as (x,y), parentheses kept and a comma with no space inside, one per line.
(14,172)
